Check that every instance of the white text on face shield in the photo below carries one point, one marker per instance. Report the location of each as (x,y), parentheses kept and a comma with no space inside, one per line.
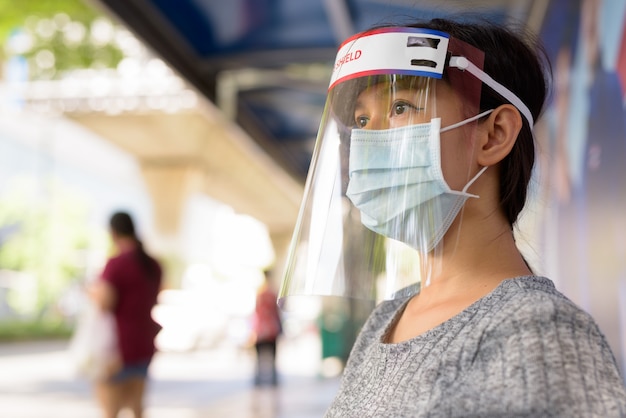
(350,56)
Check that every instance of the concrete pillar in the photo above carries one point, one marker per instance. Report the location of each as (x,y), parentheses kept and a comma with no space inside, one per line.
(169,185)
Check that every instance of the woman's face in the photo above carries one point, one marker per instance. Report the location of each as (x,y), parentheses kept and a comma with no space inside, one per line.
(387,106)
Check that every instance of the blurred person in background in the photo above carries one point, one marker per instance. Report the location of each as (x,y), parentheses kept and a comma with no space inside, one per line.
(266,327)
(128,288)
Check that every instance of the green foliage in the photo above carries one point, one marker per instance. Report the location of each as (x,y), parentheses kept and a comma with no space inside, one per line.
(15,330)
(57,36)
(48,243)
(14,13)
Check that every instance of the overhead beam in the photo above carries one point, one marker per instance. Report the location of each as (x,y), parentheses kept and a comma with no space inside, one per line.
(340,19)
(155,31)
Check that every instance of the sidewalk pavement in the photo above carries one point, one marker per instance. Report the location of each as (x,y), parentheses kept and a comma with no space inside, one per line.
(36,382)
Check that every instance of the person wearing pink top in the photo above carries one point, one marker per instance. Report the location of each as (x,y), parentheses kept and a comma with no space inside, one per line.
(266,327)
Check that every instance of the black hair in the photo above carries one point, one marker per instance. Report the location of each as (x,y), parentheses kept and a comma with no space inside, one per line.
(121,223)
(515,59)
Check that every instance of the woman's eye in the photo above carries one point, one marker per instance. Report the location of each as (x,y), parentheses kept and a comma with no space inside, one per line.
(361,121)
(400,108)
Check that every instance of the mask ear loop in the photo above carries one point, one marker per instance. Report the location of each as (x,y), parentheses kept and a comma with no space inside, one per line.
(465,121)
(456,125)
(463,64)
(472,180)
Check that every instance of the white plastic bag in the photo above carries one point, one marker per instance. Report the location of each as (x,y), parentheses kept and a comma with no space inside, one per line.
(93,348)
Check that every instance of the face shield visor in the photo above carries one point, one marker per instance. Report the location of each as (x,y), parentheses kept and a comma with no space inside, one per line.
(391,168)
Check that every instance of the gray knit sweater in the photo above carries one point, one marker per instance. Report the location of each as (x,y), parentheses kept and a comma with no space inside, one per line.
(524,350)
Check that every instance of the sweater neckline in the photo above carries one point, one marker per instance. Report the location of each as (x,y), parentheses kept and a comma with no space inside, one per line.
(457,320)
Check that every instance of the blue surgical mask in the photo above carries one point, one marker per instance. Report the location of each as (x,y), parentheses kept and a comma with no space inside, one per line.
(397,183)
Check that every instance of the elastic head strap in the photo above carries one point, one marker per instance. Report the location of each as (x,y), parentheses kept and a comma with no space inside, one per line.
(463,64)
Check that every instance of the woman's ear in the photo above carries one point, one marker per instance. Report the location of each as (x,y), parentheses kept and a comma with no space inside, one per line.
(500,131)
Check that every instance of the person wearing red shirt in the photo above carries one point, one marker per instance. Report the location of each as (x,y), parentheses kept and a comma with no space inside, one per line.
(128,287)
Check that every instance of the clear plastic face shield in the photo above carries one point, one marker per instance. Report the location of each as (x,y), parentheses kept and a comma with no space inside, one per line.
(391,168)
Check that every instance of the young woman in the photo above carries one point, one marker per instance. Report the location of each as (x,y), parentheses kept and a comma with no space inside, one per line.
(129,287)
(428,134)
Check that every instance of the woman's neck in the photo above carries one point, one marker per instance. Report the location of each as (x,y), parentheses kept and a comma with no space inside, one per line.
(125,244)
(477,254)
(469,266)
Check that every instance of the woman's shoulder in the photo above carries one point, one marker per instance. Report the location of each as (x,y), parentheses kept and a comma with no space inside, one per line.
(539,290)
(113,263)
(536,327)
(534,302)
